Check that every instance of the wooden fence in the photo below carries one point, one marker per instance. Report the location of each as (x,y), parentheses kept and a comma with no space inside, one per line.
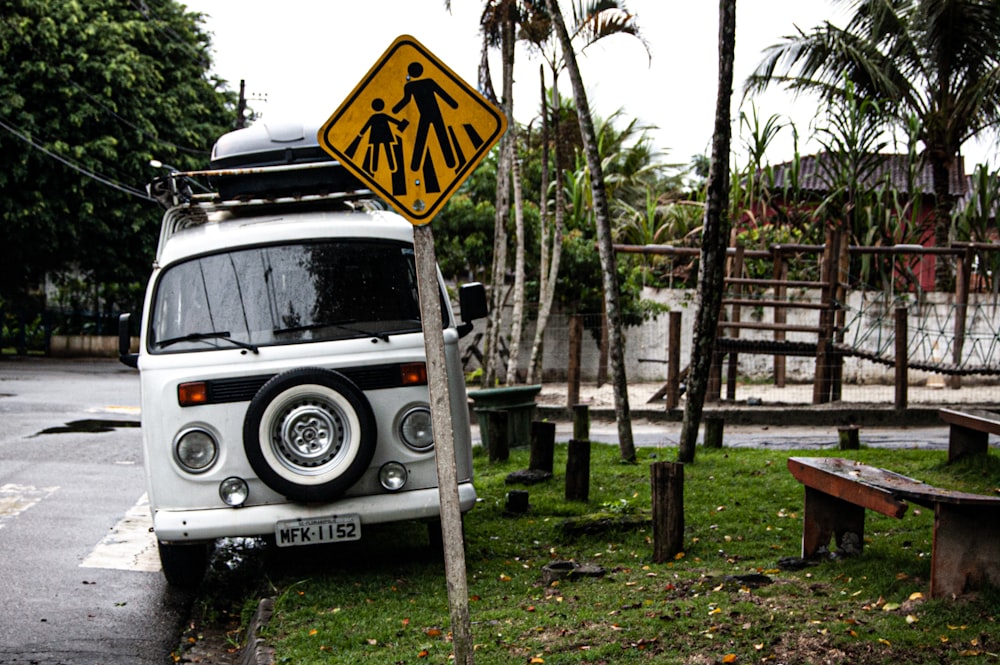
(828,347)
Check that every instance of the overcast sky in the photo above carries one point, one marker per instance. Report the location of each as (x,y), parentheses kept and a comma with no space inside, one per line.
(307,55)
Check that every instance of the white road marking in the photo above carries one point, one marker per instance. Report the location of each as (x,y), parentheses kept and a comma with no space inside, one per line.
(130,545)
(15,499)
(115,408)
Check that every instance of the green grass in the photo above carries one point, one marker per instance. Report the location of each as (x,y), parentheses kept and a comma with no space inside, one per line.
(384,600)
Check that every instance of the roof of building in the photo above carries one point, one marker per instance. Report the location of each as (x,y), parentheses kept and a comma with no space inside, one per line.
(814,174)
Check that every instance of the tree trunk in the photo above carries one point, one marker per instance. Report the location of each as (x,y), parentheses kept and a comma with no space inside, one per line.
(491,371)
(941,167)
(549,268)
(715,237)
(517,317)
(604,242)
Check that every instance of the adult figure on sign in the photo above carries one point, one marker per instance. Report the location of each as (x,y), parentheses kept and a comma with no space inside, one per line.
(424,93)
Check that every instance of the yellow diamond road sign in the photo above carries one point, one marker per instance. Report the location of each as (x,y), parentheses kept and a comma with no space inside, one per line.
(412,130)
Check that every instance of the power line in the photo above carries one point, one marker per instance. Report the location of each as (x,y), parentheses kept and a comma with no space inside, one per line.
(76,167)
(107,109)
(164,28)
(128,123)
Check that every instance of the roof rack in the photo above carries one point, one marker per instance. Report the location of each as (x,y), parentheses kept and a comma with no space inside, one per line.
(259,184)
(186,209)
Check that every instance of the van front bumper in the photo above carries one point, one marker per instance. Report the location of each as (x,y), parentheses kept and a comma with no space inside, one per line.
(180,526)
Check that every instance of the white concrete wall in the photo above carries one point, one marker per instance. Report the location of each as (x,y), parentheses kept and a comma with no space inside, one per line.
(869,325)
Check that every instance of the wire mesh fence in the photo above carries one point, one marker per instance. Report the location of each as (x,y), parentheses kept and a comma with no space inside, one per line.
(864,380)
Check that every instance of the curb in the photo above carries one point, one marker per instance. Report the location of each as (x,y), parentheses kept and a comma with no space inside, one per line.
(256,651)
(779,415)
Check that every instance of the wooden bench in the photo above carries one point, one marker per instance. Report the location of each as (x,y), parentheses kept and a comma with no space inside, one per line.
(969,431)
(966,545)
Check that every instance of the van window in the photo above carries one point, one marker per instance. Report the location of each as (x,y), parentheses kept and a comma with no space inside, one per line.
(286,294)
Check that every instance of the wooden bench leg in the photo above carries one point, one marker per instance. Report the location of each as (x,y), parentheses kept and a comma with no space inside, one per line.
(827,516)
(964,441)
(966,550)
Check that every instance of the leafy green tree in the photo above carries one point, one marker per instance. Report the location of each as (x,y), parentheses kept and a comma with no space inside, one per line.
(937,60)
(977,222)
(463,230)
(90,92)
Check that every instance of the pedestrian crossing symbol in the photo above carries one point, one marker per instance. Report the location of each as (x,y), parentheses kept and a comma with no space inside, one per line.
(412,130)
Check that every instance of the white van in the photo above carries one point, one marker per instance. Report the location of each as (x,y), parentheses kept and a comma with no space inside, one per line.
(284,389)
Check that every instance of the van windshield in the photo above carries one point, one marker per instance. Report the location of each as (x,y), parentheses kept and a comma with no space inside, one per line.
(286,294)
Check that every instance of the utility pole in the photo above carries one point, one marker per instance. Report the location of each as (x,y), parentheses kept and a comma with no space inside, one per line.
(241,106)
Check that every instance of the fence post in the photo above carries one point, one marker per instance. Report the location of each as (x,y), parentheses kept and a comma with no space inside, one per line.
(902,363)
(667,479)
(736,314)
(581,422)
(962,270)
(713,390)
(824,368)
(674,361)
(575,351)
(780,314)
(839,291)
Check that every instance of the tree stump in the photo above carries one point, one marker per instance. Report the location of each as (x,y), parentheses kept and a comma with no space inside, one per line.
(499,448)
(543,441)
(578,471)
(517,502)
(667,479)
(713,432)
(848,437)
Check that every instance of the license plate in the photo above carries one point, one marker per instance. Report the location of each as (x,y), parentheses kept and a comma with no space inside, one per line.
(317,530)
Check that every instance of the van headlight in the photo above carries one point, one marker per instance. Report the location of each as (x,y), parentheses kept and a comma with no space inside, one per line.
(196,450)
(415,428)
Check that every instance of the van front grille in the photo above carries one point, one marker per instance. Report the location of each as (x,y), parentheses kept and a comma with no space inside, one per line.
(243,388)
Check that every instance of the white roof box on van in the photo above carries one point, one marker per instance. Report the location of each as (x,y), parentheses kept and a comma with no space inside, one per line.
(238,159)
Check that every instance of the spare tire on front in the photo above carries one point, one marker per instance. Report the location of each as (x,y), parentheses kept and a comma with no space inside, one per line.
(309,434)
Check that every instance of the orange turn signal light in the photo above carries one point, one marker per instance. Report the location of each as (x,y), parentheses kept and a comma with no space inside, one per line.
(413,374)
(192,394)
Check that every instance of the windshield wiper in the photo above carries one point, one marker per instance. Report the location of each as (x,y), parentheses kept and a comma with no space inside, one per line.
(201,336)
(342,325)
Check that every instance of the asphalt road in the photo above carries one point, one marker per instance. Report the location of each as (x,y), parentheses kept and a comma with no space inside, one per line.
(79,578)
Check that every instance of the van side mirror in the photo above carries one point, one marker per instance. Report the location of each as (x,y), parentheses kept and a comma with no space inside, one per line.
(472,305)
(125,342)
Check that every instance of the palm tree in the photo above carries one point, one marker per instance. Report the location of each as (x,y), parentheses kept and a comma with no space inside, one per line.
(592,22)
(715,240)
(551,227)
(603,223)
(498,23)
(937,60)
